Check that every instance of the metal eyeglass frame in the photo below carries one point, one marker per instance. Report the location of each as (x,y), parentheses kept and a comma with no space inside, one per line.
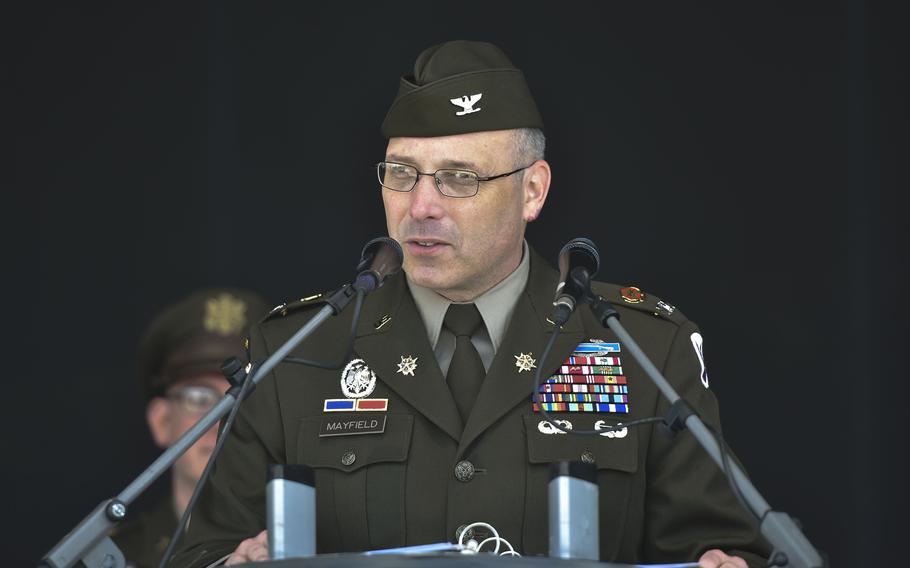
(438,182)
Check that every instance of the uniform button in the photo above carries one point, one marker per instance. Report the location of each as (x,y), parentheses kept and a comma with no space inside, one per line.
(468,536)
(464,471)
(587,456)
(348,457)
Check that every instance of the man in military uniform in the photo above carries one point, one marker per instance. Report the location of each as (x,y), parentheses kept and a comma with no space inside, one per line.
(432,426)
(180,360)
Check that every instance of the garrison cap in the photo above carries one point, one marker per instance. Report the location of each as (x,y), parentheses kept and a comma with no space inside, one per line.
(460,87)
(195,335)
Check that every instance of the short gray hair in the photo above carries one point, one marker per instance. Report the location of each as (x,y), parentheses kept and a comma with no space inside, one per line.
(530,144)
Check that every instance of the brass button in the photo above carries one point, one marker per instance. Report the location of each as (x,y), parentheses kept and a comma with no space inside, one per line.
(587,456)
(468,536)
(464,471)
(348,457)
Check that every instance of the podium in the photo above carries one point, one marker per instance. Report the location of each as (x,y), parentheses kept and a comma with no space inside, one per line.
(481,560)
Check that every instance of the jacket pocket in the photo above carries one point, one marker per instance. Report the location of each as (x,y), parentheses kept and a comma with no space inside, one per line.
(616,459)
(360,481)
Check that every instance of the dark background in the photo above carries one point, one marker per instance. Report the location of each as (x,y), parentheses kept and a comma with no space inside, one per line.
(741,161)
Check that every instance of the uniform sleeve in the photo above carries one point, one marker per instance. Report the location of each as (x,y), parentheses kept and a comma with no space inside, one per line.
(690,506)
(231,507)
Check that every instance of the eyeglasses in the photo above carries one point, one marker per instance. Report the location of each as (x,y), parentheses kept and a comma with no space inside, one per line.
(196,399)
(449,182)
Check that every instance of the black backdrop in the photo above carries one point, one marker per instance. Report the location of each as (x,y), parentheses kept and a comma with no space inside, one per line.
(740,161)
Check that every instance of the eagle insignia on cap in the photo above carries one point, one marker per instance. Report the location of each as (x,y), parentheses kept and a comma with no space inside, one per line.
(224,315)
(467,104)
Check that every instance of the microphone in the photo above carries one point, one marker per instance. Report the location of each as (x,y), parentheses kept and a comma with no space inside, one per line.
(578,262)
(291,511)
(381,258)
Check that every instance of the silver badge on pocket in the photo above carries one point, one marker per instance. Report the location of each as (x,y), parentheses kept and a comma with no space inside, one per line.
(611,431)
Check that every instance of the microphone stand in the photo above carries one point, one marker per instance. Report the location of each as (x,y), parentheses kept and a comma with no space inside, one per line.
(791,547)
(89,542)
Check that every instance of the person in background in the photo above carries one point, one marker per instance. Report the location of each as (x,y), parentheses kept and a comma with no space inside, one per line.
(180,359)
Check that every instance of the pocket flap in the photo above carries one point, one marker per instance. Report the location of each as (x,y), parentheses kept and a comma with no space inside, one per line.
(351,452)
(619,452)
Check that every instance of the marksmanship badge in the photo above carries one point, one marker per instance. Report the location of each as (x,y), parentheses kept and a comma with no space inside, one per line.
(357,380)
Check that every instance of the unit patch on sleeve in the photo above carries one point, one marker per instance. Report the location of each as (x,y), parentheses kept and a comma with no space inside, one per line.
(699,344)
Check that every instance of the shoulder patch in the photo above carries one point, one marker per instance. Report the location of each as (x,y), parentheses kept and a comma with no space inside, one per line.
(634,298)
(284,309)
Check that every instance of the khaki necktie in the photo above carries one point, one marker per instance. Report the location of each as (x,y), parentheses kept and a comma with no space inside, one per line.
(466,371)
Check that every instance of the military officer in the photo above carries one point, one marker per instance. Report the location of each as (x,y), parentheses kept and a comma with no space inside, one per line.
(432,425)
(180,359)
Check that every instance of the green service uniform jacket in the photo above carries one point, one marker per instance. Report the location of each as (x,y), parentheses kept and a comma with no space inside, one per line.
(661,499)
(144,539)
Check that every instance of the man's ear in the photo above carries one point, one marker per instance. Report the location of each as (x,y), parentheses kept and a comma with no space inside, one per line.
(536,186)
(158,416)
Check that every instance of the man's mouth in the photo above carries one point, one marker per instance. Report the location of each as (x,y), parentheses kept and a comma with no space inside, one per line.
(424,246)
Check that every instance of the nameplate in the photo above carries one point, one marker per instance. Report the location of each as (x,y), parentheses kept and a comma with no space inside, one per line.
(351,426)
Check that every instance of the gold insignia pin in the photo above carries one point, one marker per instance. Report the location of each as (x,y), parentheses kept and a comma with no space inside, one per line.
(224,315)
(408,365)
(524,362)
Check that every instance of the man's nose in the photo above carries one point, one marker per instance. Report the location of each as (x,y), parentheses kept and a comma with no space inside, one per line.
(426,201)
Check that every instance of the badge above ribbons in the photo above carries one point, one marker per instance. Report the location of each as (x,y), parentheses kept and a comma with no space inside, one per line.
(591,379)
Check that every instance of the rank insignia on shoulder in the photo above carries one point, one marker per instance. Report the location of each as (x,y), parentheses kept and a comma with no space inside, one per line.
(661,305)
(284,309)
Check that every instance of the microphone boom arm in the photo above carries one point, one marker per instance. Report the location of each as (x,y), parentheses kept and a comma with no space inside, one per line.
(790,545)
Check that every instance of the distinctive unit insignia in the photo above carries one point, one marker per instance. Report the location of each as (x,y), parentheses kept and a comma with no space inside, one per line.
(632,295)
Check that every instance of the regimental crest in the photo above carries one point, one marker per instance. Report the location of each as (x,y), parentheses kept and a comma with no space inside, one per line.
(408,365)
(357,380)
(467,104)
(632,295)
(224,315)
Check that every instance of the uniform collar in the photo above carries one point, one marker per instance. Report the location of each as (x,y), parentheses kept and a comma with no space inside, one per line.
(495,305)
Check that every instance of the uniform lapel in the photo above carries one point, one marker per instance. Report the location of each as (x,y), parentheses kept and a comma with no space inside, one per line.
(406,335)
(528,332)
